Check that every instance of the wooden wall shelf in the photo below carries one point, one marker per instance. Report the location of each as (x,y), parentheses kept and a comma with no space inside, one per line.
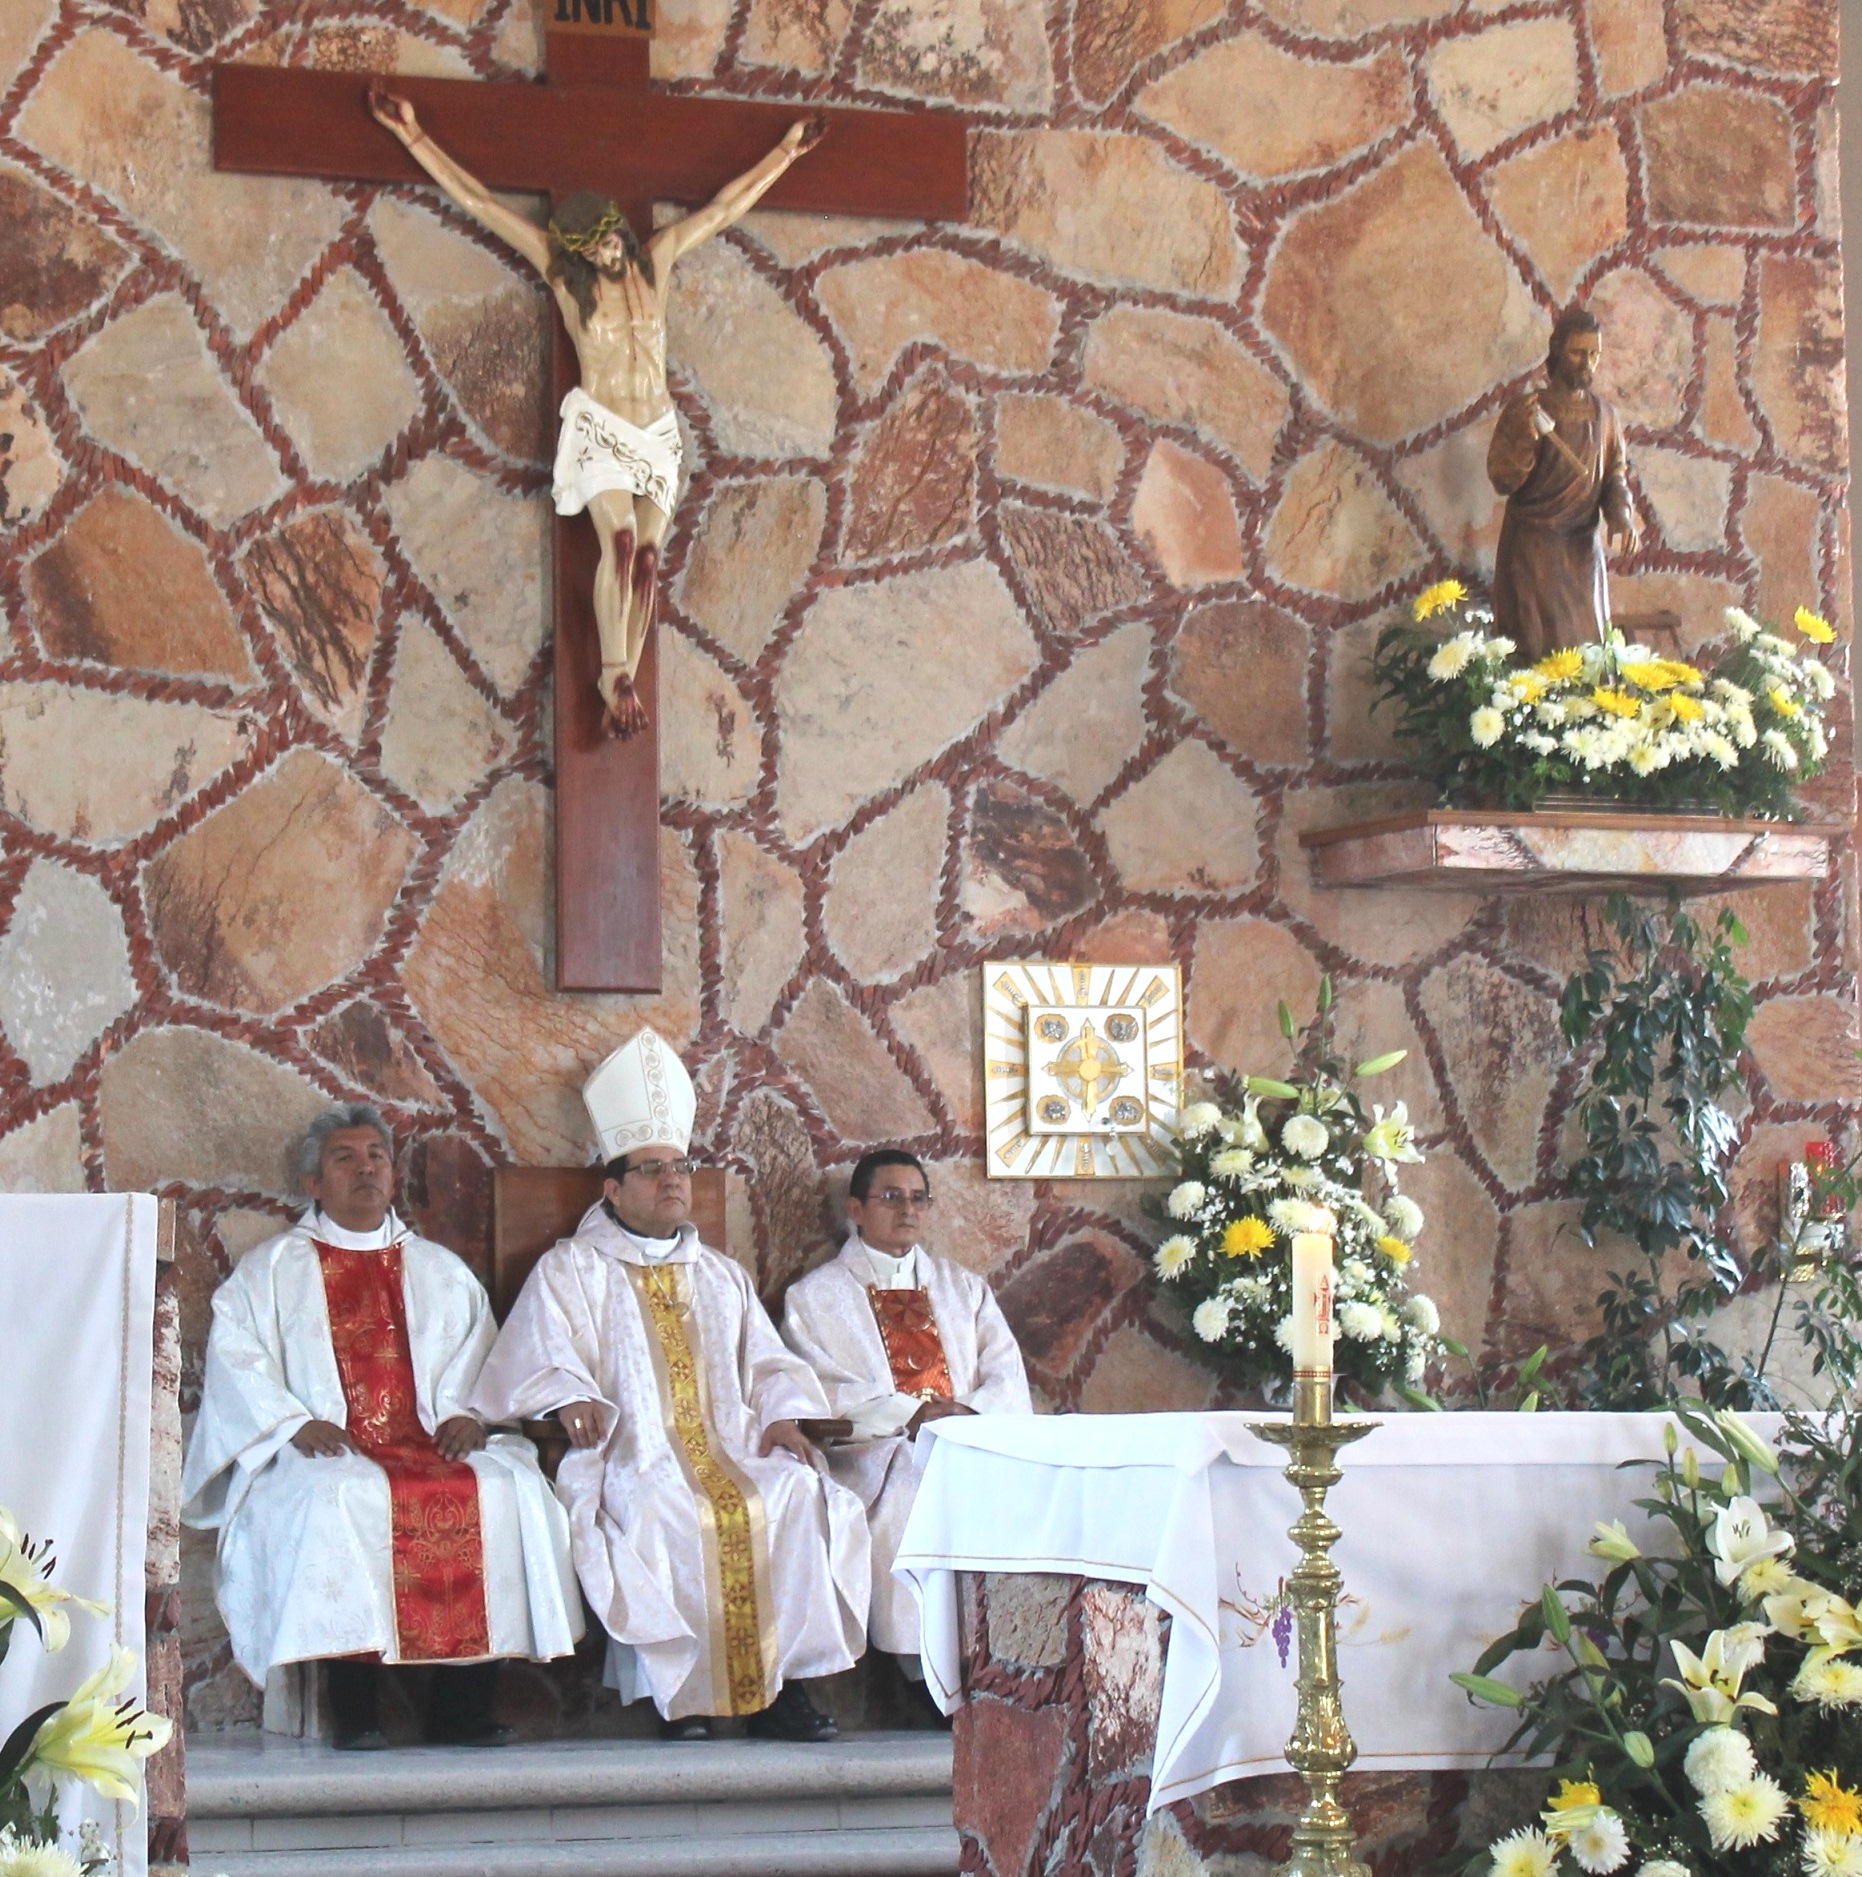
(1476,851)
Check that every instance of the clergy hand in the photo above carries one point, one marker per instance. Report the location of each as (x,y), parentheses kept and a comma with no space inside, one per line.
(458,1436)
(322,1440)
(937,1410)
(582,1421)
(790,1438)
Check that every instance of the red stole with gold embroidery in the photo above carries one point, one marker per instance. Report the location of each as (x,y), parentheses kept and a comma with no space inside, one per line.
(439,1552)
(908,1329)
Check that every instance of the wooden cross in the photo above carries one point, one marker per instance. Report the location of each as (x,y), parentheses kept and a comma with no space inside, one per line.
(594,124)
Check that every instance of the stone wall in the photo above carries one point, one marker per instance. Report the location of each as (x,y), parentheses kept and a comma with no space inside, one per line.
(1018,607)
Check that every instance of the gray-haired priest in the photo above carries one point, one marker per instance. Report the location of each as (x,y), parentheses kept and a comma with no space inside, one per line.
(899,1337)
(362,1513)
(725,1564)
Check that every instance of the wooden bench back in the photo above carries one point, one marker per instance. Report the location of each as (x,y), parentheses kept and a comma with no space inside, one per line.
(532,1207)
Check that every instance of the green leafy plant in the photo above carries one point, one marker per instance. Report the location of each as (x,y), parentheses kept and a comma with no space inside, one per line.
(1667,1008)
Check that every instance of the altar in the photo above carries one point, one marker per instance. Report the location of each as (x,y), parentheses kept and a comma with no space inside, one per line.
(1105,1610)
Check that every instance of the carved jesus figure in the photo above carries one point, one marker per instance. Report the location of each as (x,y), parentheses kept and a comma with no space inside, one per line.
(618,453)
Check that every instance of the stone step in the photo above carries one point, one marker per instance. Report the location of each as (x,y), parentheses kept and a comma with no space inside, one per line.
(870,1805)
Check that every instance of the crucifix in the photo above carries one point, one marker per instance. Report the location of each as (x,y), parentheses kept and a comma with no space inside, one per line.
(593,125)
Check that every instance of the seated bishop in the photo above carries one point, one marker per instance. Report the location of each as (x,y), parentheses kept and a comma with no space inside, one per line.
(898,1336)
(725,1564)
(363,1514)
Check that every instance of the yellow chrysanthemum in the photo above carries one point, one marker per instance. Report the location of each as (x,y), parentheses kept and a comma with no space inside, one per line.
(1439,598)
(1784,703)
(1829,1805)
(1687,709)
(1247,1238)
(1528,687)
(1560,667)
(1652,674)
(1814,626)
(1394,1249)
(1573,1793)
(1617,703)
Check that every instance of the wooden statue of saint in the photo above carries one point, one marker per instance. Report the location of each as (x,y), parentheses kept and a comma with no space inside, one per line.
(618,453)
(1557,457)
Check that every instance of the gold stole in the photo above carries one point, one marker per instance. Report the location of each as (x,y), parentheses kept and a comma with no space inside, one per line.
(733,1531)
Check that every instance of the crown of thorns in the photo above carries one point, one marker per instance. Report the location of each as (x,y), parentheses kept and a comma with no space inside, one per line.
(589,239)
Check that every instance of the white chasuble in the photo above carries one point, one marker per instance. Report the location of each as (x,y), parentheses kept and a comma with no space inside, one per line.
(721,1573)
(306,1560)
(830,1320)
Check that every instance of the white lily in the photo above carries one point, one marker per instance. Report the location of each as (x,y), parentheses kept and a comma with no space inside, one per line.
(1391,1140)
(98,1737)
(1741,1538)
(23,1572)
(1613,1542)
(1709,1683)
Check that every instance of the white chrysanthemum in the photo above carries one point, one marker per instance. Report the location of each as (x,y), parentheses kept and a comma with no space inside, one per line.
(1719,1759)
(1721,750)
(1211,1318)
(1780,750)
(1486,727)
(20,1858)
(1831,1683)
(1452,656)
(1305,1135)
(1354,1275)
(1420,1312)
(1301,1175)
(1231,1163)
(1362,1322)
(1817,678)
(1173,1254)
(1743,1816)
(1496,650)
(1198,1119)
(1403,1216)
(1525,1853)
(1832,1853)
(1600,1844)
(1283,1334)
(1299,1215)
(1744,626)
(1186,1200)
(1416,1364)
(1664,1867)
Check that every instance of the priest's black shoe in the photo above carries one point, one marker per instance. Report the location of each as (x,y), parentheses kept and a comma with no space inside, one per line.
(473,1730)
(686,1727)
(792,1716)
(359,1740)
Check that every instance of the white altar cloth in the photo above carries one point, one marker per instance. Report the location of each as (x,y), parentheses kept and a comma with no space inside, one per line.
(1451,1523)
(77,1350)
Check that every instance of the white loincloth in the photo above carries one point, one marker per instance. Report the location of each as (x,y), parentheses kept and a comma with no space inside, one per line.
(597,451)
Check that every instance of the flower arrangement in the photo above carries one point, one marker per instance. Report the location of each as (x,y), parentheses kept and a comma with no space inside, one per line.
(1287,1157)
(1610,720)
(97,1736)
(1706,1718)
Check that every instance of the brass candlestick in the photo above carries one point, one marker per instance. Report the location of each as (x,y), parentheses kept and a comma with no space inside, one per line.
(1321,1748)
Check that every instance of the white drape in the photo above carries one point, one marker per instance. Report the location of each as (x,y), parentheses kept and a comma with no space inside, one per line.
(1451,1522)
(77,1349)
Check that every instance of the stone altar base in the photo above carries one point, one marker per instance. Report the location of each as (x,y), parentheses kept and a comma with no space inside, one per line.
(1062,1678)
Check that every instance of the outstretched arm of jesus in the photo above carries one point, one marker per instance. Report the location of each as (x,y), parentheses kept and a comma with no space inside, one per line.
(396,116)
(738,197)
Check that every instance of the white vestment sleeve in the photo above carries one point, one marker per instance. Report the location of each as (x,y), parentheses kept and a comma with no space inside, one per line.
(247,1409)
(546,1356)
(459,1338)
(1001,1378)
(777,1384)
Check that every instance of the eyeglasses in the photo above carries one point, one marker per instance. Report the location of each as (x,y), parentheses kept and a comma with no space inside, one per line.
(662,1169)
(898,1200)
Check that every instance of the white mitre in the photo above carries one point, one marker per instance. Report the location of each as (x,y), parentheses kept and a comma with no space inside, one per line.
(640,1097)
